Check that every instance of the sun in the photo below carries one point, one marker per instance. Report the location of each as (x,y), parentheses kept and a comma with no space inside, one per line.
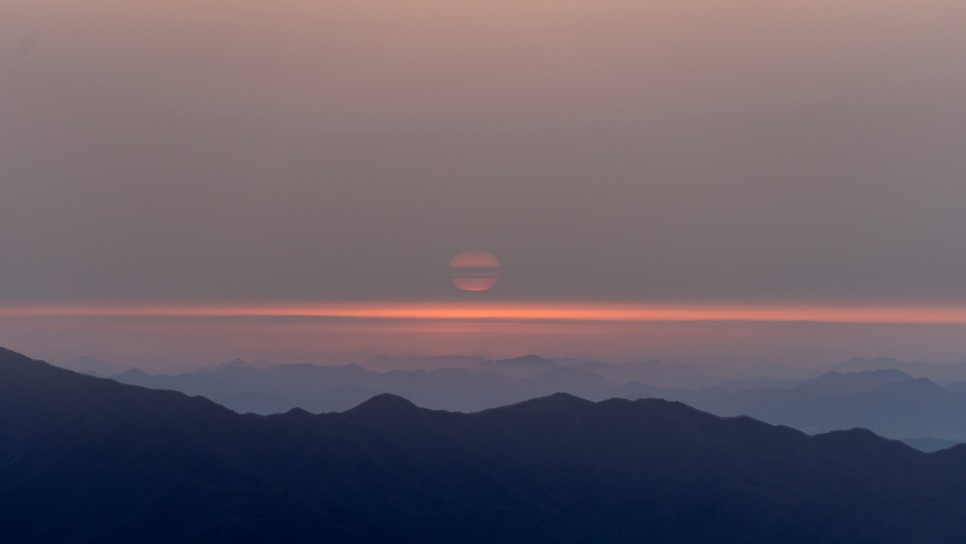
(474,270)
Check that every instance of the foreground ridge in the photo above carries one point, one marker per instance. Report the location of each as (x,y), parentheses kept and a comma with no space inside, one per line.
(91,460)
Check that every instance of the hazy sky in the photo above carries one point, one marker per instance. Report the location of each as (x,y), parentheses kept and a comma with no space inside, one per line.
(720,152)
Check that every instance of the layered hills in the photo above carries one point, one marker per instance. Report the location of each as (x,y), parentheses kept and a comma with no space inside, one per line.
(86,459)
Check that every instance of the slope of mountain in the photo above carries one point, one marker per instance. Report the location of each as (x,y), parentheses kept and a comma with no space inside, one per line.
(930,445)
(888,402)
(92,460)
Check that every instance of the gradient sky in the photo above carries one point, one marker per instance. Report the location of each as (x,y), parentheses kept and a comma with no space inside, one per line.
(702,153)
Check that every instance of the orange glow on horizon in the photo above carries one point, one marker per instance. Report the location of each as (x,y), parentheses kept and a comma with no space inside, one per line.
(521,311)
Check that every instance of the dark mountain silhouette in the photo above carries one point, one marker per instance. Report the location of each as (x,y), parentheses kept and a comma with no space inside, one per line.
(830,401)
(92,460)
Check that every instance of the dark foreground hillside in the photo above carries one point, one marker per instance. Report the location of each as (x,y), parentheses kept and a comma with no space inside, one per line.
(84,459)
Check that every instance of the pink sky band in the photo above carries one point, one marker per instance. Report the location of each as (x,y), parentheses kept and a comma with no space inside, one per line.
(518,311)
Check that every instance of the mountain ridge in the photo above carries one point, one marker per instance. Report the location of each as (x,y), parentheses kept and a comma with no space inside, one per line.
(92,460)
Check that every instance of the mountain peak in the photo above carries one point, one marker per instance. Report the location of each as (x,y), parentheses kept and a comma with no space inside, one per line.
(236,363)
(550,403)
(384,404)
(526,359)
(298,413)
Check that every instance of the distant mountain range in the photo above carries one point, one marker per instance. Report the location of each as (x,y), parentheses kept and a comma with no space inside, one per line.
(889,401)
(94,367)
(92,460)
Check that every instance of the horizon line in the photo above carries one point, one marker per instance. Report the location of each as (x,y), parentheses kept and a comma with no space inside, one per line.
(519,311)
